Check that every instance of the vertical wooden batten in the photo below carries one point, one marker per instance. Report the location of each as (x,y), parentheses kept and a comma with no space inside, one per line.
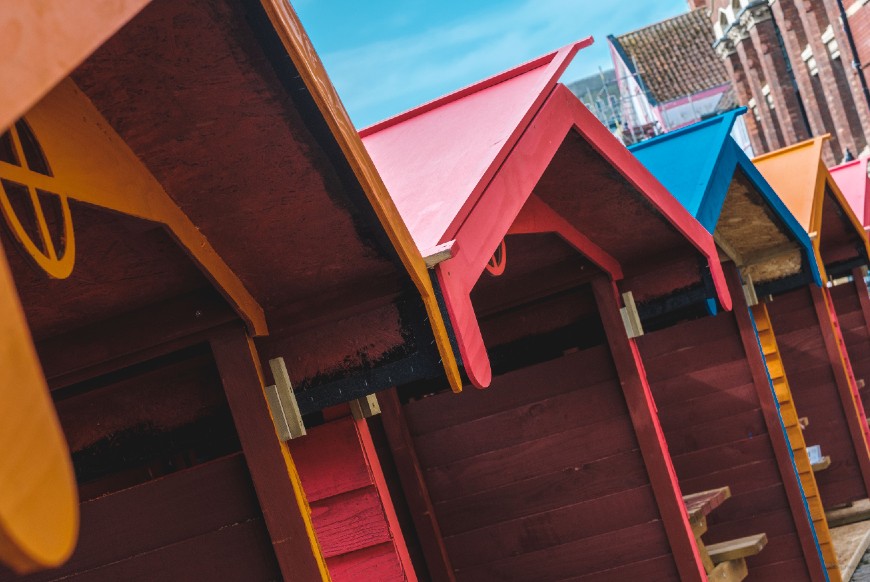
(276,481)
(649,432)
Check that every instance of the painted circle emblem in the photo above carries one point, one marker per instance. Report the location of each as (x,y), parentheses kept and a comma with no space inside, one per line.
(38,216)
(496,264)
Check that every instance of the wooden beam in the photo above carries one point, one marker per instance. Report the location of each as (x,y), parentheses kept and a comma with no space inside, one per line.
(775,430)
(273,472)
(414,486)
(844,378)
(136,336)
(650,436)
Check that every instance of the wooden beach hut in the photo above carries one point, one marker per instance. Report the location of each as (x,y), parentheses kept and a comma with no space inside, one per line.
(720,413)
(850,292)
(806,320)
(189,223)
(546,237)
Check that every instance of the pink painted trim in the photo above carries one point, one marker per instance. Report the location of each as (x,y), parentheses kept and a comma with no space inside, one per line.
(510,190)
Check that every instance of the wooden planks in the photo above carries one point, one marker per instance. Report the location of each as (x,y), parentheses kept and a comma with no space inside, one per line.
(170,528)
(351,508)
(735,448)
(817,392)
(521,494)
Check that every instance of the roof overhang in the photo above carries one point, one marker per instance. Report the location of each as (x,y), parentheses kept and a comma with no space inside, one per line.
(708,172)
(477,197)
(799,176)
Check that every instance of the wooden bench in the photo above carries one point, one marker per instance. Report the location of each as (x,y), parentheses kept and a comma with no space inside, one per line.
(726,561)
(730,557)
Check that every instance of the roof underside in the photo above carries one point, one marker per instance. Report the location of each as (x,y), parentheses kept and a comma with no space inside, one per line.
(707,172)
(801,179)
(675,57)
(436,159)
(189,87)
(853,182)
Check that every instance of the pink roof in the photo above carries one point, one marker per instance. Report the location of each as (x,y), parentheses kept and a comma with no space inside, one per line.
(472,168)
(437,159)
(852,180)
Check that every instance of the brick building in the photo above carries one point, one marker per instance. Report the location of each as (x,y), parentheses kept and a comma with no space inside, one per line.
(797,64)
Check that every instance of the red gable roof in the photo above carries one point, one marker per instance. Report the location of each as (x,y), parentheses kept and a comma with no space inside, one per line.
(518,153)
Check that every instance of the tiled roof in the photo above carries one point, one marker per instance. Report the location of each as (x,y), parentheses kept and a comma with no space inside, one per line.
(675,57)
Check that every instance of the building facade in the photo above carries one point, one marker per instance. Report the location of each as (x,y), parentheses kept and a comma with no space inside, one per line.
(798,66)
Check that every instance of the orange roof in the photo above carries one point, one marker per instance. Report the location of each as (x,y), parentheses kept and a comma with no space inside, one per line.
(801,179)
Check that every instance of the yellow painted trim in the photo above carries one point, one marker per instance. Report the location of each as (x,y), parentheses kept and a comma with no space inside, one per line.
(299,48)
(296,482)
(788,410)
(92,164)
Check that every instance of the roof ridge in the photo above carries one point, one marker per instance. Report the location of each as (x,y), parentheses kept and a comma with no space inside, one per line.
(535,63)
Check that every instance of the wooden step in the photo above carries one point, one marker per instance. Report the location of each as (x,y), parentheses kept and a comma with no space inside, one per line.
(738,548)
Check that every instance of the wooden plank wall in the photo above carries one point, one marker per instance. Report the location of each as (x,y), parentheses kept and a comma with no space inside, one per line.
(814,388)
(353,515)
(855,326)
(540,477)
(198,524)
(717,435)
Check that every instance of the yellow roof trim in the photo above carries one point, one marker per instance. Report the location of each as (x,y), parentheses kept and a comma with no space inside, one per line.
(299,48)
(799,177)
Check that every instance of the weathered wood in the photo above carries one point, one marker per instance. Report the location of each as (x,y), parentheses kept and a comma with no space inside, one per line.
(414,486)
(703,502)
(276,481)
(650,436)
(739,548)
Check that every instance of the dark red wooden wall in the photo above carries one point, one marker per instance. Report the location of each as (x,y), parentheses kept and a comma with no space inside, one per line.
(856,330)
(202,523)
(539,477)
(717,435)
(814,389)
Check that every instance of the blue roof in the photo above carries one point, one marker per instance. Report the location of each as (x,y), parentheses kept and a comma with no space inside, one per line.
(697,164)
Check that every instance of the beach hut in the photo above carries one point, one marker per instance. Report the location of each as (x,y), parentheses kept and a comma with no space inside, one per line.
(184,205)
(806,321)
(707,370)
(546,239)
(850,293)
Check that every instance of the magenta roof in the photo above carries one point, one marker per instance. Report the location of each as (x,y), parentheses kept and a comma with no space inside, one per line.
(852,180)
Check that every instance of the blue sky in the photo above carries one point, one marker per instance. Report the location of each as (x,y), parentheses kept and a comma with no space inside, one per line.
(386,56)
